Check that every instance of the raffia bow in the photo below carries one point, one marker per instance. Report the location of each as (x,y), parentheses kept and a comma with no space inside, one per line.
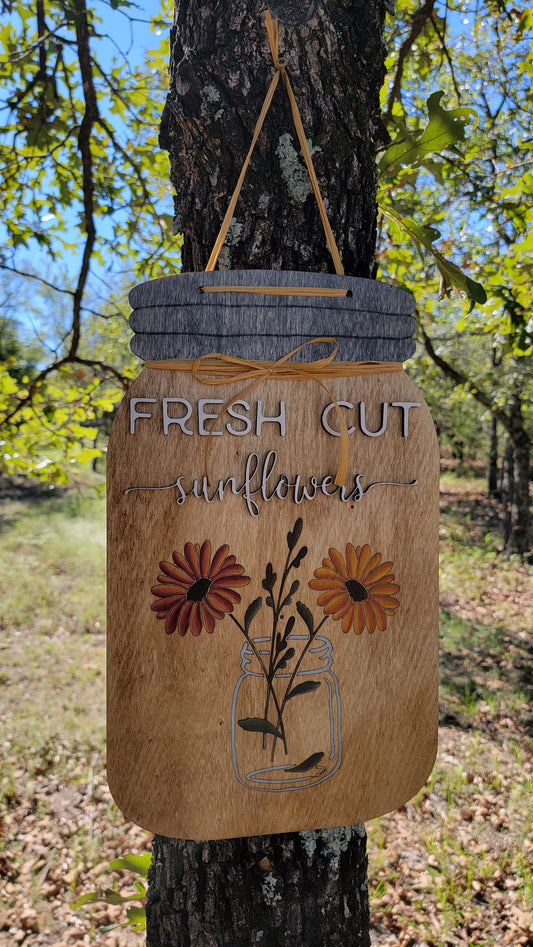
(215,369)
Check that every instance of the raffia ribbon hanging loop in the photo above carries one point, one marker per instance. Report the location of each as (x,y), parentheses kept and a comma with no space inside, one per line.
(280,67)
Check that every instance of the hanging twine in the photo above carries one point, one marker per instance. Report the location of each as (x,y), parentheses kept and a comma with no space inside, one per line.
(280,67)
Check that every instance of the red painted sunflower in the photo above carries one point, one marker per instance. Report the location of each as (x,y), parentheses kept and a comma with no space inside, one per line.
(195,591)
(359,590)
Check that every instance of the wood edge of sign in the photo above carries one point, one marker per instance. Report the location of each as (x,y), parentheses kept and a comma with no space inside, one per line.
(168,828)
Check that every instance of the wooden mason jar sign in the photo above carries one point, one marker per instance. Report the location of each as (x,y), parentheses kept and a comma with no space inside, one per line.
(272,635)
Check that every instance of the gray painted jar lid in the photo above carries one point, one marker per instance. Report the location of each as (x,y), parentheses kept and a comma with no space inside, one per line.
(179,317)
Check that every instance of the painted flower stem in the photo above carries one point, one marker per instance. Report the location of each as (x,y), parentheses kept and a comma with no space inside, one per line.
(292,677)
(265,673)
(273,654)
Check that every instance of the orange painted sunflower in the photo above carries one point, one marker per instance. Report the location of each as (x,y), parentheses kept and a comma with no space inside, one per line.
(195,591)
(359,590)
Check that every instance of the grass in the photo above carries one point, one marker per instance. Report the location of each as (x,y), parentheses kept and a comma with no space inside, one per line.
(470,826)
(52,617)
(453,867)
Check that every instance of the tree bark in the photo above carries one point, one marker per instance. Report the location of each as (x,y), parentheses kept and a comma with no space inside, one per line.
(493,459)
(295,890)
(220,70)
(305,889)
(516,499)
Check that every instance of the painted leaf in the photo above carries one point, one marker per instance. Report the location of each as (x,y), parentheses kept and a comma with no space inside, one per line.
(259,725)
(295,564)
(292,591)
(286,658)
(306,687)
(307,764)
(270,578)
(305,613)
(293,537)
(251,612)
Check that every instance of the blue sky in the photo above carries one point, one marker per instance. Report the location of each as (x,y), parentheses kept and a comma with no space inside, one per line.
(126,37)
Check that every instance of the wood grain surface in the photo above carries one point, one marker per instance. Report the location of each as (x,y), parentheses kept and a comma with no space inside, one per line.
(365,721)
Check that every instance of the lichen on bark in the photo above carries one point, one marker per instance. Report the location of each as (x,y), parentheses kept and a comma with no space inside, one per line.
(294,890)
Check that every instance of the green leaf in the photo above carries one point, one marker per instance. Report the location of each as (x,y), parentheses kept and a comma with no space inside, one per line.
(259,725)
(137,917)
(86,899)
(86,454)
(306,687)
(136,863)
(107,895)
(451,275)
(443,130)
(113,897)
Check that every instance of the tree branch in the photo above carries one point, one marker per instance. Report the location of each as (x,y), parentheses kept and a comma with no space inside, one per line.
(459,378)
(35,276)
(115,90)
(59,289)
(446,53)
(28,398)
(41,30)
(49,35)
(107,369)
(133,165)
(55,366)
(418,21)
(84,143)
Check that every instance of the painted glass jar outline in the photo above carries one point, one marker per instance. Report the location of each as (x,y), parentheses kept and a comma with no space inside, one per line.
(280,775)
(197,589)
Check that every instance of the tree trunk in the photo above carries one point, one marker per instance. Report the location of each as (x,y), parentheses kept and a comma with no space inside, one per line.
(309,888)
(220,70)
(507,488)
(516,500)
(295,890)
(493,458)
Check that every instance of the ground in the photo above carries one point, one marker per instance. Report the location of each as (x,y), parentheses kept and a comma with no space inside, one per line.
(453,867)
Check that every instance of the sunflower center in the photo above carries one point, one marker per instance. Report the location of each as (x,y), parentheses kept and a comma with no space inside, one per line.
(198,590)
(356,590)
